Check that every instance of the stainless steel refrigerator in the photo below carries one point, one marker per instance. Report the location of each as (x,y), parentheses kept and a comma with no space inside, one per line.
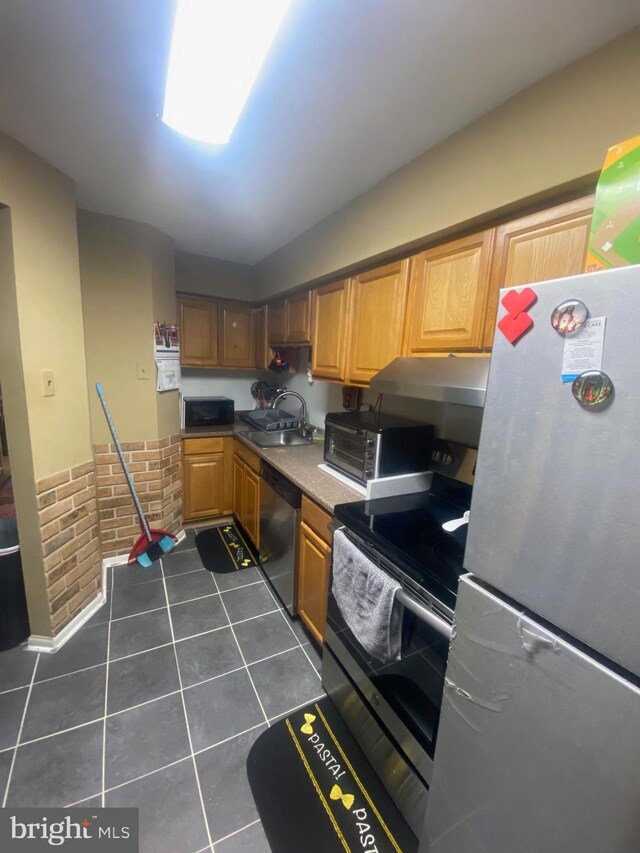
(539,740)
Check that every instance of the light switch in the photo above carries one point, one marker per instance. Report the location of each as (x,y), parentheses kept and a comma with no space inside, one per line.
(143,371)
(48,383)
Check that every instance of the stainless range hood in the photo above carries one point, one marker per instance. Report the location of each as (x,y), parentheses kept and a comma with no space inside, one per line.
(443,380)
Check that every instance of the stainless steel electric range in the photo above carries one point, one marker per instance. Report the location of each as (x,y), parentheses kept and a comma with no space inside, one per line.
(393,708)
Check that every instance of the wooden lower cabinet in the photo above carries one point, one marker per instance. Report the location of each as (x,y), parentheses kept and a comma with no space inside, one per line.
(238,475)
(314,567)
(251,505)
(206,477)
(246,491)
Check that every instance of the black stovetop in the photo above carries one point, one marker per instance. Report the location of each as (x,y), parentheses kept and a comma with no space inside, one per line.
(407,530)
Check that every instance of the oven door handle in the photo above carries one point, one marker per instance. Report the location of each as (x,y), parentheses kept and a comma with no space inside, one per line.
(425,614)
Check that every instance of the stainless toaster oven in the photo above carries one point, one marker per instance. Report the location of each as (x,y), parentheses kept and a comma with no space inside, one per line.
(368,445)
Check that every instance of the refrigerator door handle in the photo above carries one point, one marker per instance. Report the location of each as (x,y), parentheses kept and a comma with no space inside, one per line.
(425,614)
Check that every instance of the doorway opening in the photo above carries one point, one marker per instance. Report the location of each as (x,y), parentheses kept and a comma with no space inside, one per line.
(7,503)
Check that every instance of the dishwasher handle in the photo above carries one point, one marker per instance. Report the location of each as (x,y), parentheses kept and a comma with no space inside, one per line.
(283,487)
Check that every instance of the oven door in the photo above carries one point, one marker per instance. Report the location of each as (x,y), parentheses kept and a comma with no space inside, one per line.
(345,449)
(405,695)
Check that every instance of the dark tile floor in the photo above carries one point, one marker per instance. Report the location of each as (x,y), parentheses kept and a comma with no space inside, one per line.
(156,702)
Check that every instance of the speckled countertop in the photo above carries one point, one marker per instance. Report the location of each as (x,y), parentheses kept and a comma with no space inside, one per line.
(213,432)
(299,464)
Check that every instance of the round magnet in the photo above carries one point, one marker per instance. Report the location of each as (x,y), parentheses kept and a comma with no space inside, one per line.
(593,390)
(569,317)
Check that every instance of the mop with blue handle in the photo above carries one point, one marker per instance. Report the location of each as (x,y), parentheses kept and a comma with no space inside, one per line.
(151,544)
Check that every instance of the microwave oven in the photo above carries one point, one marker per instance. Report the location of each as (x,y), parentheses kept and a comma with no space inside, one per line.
(368,445)
(207,412)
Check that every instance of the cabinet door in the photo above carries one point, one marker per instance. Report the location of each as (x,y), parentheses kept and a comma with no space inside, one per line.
(203,486)
(238,488)
(329,331)
(314,568)
(447,296)
(263,353)
(297,318)
(237,335)
(227,483)
(251,508)
(545,245)
(275,322)
(198,320)
(378,307)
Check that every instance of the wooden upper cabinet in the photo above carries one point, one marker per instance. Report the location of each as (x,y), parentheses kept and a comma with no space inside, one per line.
(297,318)
(545,245)
(263,356)
(377,315)
(198,319)
(447,296)
(237,335)
(329,331)
(275,322)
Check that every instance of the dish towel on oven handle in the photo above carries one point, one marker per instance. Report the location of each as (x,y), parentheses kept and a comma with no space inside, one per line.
(366,597)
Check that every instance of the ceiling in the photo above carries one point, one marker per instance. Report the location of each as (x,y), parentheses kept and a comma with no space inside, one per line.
(351,90)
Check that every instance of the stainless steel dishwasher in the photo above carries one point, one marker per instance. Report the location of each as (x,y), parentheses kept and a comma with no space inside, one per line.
(279,511)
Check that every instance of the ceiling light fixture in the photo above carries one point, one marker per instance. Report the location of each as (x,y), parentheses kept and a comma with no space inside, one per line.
(217,50)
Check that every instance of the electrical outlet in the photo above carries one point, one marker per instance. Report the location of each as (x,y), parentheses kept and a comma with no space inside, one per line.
(350,398)
(48,383)
(143,371)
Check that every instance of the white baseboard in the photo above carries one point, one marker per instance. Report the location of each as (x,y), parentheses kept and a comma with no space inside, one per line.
(50,645)
(118,560)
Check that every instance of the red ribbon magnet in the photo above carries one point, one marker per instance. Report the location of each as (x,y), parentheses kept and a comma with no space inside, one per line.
(516,322)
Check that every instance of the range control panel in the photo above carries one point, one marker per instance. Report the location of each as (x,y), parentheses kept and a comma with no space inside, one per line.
(454,460)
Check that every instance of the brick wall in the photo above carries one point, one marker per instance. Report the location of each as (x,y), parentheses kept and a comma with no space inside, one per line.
(156,470)
(71,549)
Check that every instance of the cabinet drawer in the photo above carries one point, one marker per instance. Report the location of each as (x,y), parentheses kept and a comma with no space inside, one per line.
(202,445)
(251,459)
(317,519)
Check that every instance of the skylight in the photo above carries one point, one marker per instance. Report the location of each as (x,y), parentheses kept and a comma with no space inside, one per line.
(217,50)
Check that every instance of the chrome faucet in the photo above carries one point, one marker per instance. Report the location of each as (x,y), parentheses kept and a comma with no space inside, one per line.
(304,427)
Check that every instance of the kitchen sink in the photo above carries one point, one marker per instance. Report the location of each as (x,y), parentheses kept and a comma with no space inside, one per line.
(281,438)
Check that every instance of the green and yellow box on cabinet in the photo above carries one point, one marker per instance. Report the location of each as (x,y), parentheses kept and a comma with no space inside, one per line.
(615,227)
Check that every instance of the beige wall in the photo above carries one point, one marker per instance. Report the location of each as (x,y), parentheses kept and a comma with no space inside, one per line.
(554,133)
(127,283)
(17,419)
(163,297)
(45,249)
(41,328)
(213,277)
